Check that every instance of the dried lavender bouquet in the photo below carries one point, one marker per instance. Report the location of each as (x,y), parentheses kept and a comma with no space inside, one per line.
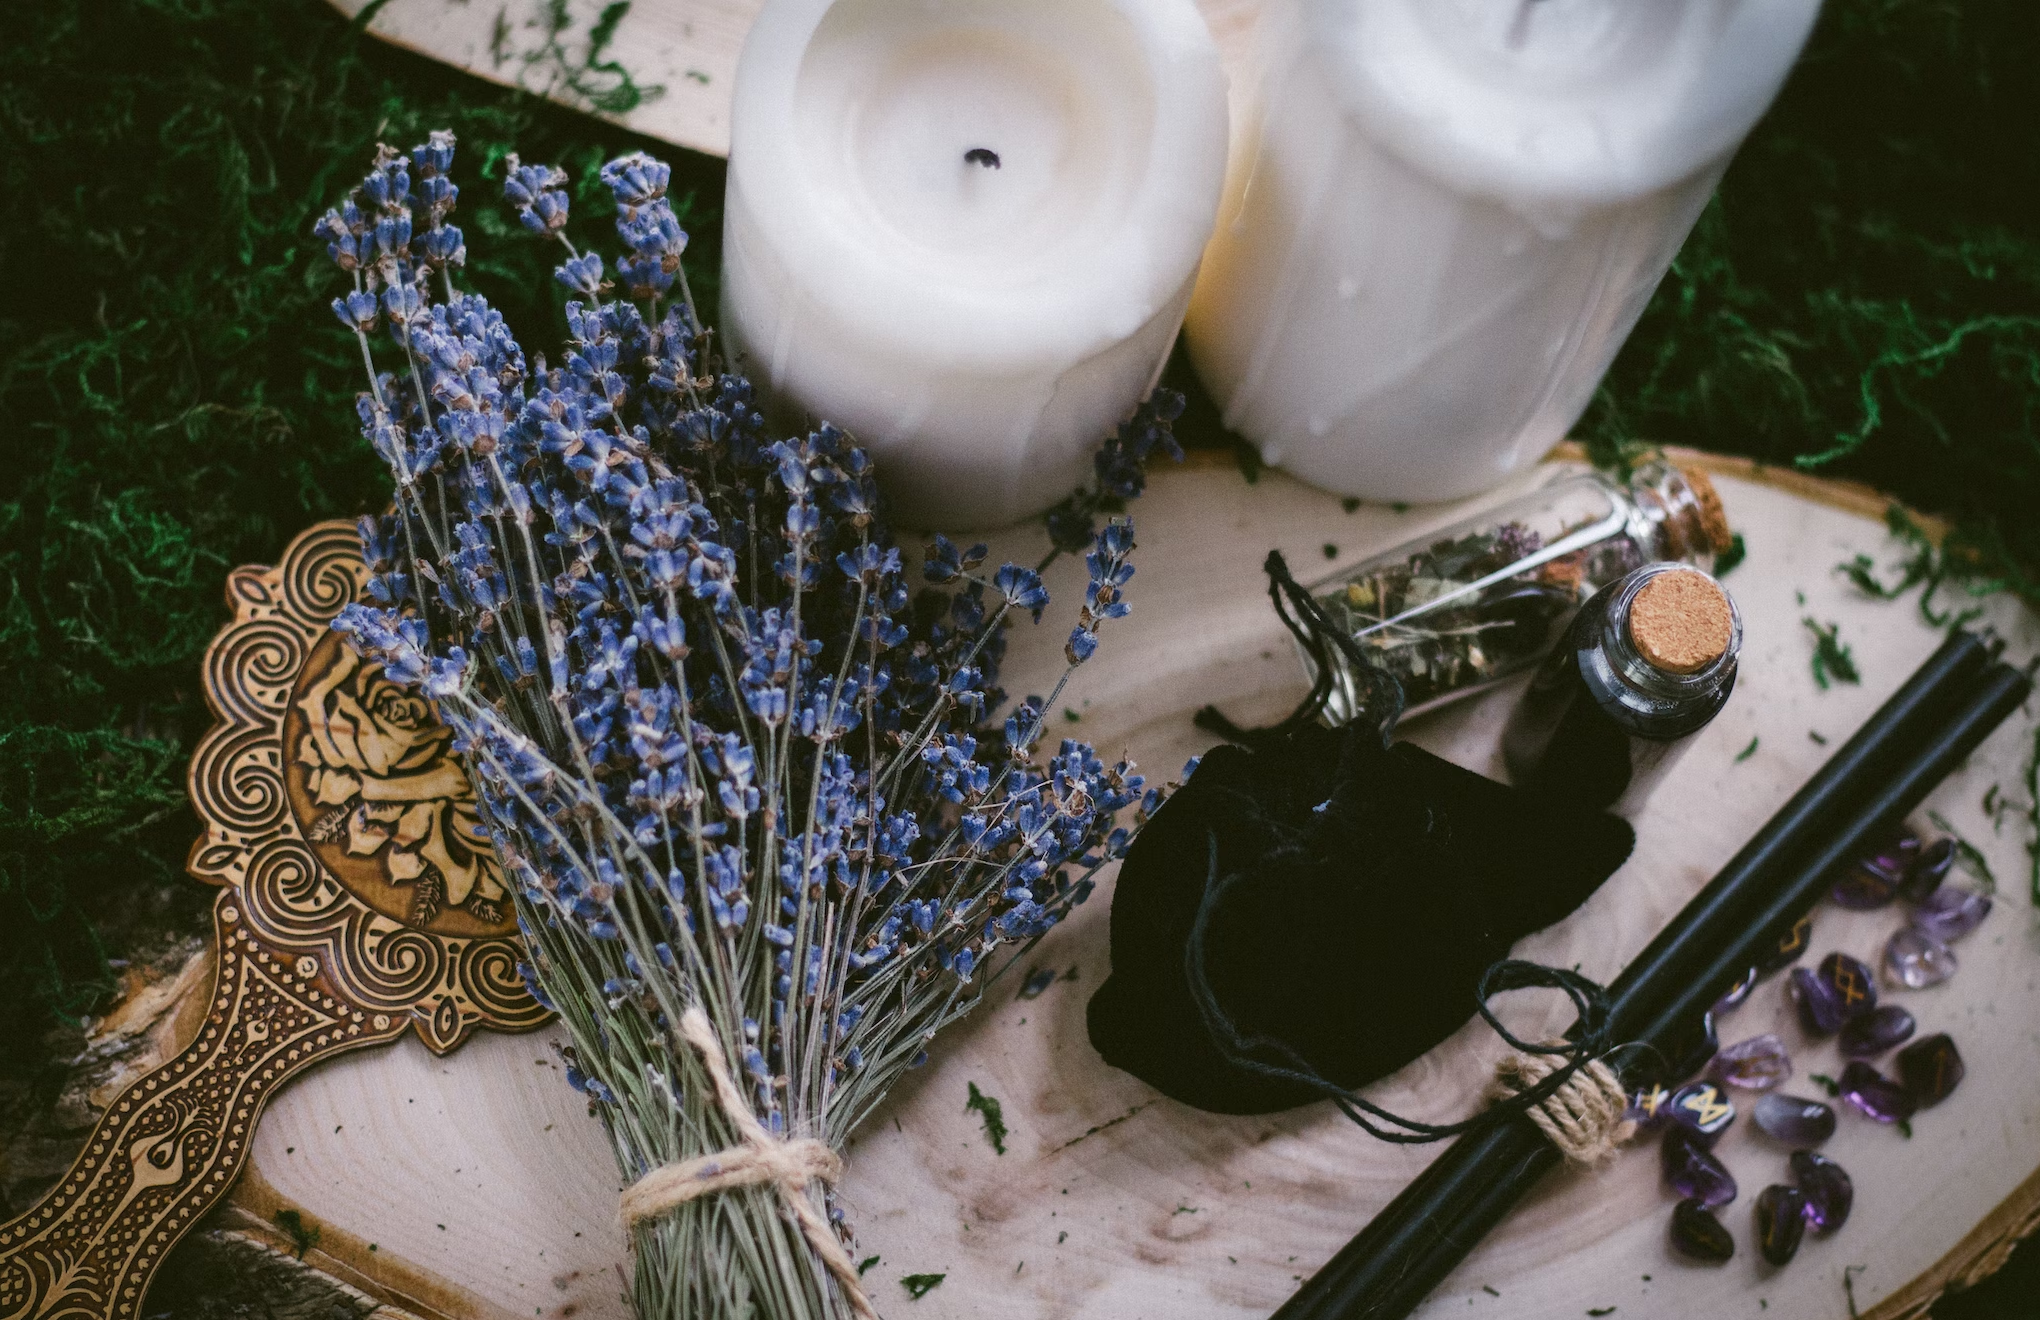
(765,835)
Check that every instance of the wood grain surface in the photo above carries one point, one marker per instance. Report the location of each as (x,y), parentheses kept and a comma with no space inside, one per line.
(486,1191)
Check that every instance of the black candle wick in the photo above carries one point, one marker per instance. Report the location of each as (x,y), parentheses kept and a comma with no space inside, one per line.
(984,156)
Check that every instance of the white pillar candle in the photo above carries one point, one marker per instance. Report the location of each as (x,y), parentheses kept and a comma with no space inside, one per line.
(1444,217)
(966,230)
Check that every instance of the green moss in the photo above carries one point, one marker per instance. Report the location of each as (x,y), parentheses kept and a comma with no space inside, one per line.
(177,399)
(1863,296)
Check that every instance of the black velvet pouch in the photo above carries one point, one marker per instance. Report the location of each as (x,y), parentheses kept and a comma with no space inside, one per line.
(1369,888)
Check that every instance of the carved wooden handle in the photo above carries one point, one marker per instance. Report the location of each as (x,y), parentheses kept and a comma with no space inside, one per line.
(169,1148)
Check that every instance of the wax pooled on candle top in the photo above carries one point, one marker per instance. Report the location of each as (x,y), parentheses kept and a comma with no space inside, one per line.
(983,149)
(965,230)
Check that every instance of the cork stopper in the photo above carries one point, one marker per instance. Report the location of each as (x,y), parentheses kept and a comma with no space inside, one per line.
(1681,622)
(1713,519)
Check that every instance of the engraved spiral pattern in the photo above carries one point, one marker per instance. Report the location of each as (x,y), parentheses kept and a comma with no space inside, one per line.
(322,571)
(488,975)
(255,843)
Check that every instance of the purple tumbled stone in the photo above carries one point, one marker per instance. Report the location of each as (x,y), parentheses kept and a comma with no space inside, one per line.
(1702,1109)
(1950,913)
(1928,870)
(1789,947)
(1874,880)
(1691,1169)
(1853,984)
(1829,1190)
(1877,1095)
(1649,1108)
(1781,1222)
(1793,1119)
(1917,960)
(1756,1064)
(1735,994)
(1931,1068)
(1820,1010)
(1876,1031)
(1697,1233)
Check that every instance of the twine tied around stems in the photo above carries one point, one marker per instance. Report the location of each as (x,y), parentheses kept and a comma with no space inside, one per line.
(1583,1117)
(760,1158)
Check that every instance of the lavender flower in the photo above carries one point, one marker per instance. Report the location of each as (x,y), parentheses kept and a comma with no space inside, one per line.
(729,758)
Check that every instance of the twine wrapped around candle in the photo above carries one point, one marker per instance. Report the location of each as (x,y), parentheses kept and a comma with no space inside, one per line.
(761,1159)
(1583,1117)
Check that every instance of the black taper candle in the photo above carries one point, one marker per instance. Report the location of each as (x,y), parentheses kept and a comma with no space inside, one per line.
(1384,1275)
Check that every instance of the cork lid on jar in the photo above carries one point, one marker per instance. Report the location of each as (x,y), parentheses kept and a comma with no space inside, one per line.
(1714,528)
(1681,621)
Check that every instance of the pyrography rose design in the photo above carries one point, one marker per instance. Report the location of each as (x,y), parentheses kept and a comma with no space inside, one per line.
(380,764)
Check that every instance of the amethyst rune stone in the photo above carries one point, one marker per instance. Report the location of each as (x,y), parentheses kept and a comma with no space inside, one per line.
(1829,1190)
(1735,994)
(1781,1222)
(1790,946)
(1691,1169)
(1820,1011)
(1697,1233)
(1701,1108)
(1917,960)
(1928,870)
(1874,880)
(1950,913)
(1931,1068)
(1853,984)
(1877,1095)
(1756,1064)
(1876,1031)
(1793,1119)
(1649,1108)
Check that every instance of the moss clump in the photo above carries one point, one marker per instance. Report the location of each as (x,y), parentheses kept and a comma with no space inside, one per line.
(1863,296)
(176,399)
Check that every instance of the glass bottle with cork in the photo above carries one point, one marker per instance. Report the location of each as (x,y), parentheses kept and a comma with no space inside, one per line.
(1453,612)
(1648,661)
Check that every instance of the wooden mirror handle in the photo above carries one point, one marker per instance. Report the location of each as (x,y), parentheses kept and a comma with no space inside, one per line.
(168,1149)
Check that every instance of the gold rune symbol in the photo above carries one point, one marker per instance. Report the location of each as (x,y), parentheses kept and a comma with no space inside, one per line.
(1849,985)
(1707,1106)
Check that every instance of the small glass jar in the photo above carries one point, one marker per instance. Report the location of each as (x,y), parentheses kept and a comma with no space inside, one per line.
(1453,612)
(1647,662)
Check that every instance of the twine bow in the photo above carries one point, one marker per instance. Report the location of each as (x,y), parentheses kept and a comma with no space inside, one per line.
(759,1159)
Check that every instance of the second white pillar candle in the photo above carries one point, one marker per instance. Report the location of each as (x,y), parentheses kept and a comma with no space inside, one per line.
(1445,216)
(966,230)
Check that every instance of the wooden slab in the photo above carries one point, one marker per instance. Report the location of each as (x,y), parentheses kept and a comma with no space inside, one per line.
(488,1192)
(686,48)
